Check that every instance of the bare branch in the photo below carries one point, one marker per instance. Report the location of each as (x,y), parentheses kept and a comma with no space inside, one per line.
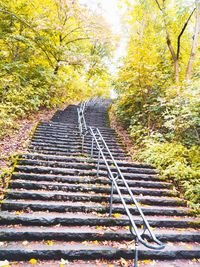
(159,6)
(181,33)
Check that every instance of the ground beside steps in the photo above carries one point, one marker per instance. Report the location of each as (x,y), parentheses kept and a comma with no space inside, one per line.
(57,208)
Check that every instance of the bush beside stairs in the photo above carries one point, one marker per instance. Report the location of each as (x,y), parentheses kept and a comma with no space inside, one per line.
(56,207)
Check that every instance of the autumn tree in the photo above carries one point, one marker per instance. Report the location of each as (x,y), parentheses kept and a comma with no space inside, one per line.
(51,52)
(175,46)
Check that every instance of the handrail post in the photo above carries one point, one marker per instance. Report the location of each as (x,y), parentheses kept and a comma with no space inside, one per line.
(82,145)
(98,163)
(92,148)
(136,252)
(111,199)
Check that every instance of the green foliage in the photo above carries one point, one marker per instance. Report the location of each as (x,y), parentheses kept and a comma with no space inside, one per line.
(176,162)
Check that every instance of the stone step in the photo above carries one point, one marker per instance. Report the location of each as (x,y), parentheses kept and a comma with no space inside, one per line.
(43,218)
(72,147)
(55,140)
(88,180)
(78,172)
(99,198)
(85,179)
(68,143)
(71,133)
(66,126)
(77,250)
(75,148)
(68,152)
(36,156)
(32,185)
(71,138)
(87,207)
(112,263)
(91,233)
(84,166)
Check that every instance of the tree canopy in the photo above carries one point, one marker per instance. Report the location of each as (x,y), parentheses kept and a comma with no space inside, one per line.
(52,51)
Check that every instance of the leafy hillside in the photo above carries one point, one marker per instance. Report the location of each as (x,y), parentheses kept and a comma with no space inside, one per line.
(159,87)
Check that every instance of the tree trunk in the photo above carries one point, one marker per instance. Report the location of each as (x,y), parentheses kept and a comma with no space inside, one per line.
(56,70)
(195,41)
(176,70)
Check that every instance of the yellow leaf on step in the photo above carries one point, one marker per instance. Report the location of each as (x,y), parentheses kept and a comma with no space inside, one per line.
(63,263)
(33,261)
(4,263)
(194,260)
(117,215)
(49,243)
(123,262)
(19,212)
(188,247)
(99,227)
(95,242)
(147,261)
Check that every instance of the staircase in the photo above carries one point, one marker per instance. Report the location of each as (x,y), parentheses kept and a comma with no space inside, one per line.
(57,208)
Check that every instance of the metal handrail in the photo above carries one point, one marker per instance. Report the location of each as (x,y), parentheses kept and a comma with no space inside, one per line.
(113,177)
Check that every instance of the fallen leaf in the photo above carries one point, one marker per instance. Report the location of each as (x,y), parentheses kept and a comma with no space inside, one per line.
(19,212)
(33,261)
(147,261)
(4,263)
(49,242)
(123,262)
(194,260)
(117,215)
(188,247)
(63,263)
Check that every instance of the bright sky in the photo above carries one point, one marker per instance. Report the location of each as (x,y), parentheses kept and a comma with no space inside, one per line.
(113,16)
(109,10)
